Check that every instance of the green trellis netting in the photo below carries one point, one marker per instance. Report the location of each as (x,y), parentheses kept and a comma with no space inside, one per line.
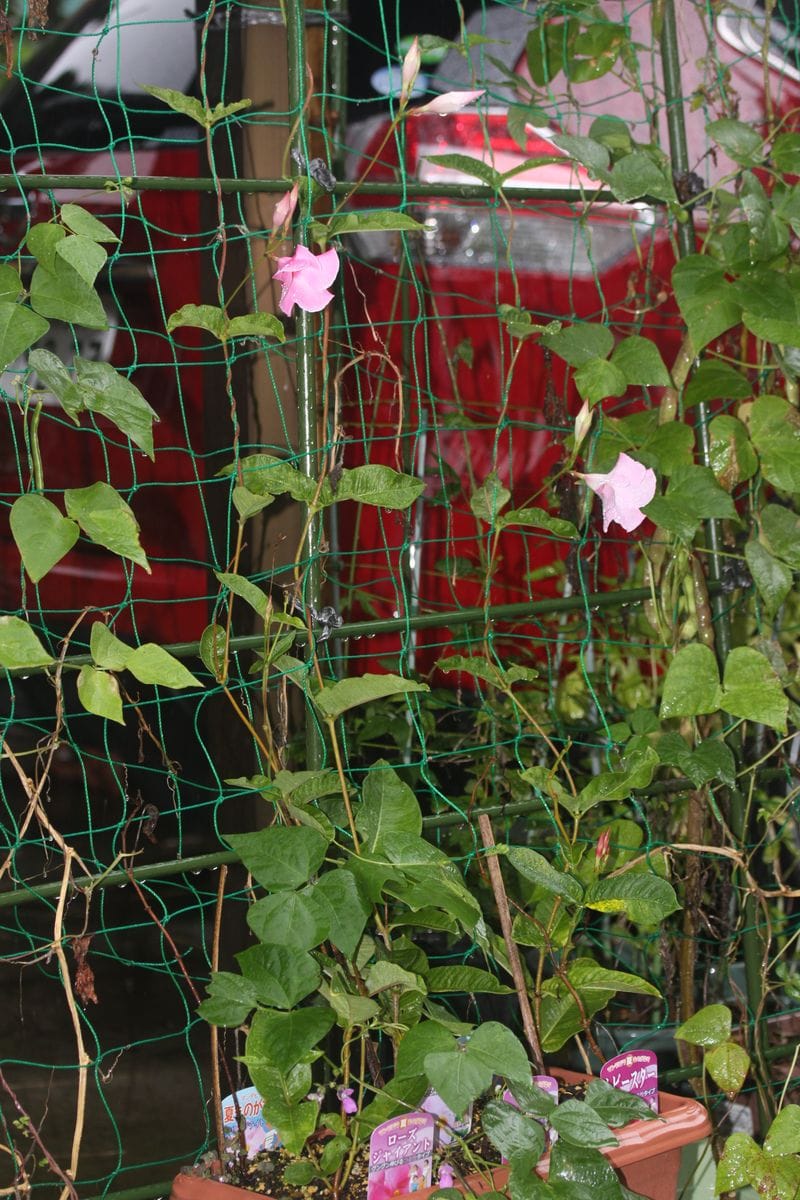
(119,890)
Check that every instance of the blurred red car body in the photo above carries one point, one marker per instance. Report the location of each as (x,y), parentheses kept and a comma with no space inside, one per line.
(615,267)
(63,125)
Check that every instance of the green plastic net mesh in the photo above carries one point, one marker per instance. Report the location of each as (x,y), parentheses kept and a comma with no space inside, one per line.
(113,845)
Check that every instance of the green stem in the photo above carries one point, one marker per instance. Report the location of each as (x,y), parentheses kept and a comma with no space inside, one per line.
(752,943)
(36,452)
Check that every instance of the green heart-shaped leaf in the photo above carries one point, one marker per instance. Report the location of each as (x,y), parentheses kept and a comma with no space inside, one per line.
(42,534)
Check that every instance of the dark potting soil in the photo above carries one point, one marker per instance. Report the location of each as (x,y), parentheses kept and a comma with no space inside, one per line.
(265,1172)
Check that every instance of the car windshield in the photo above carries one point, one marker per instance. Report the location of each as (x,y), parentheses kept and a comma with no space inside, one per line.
(81,89)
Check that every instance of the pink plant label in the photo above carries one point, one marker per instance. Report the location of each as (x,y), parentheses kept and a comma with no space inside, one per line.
(258,1134)
(636,1071)
(548,1084)
(401,1156)
(446,1119)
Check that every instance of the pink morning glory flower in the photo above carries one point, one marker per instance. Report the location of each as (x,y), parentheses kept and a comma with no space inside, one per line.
(624,491)
(349,1105)
(445,1177)
(305,278)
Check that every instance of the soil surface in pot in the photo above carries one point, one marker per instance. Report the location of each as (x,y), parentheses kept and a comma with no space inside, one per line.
(265,1172)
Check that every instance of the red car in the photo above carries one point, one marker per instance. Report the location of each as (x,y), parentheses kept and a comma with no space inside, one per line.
(464,414)
(479,403)
(86,98)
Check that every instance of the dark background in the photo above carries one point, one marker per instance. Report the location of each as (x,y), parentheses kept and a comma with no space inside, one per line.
(404,19)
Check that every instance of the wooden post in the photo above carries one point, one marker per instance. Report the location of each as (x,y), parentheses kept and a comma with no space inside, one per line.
(247,58)
(272,415)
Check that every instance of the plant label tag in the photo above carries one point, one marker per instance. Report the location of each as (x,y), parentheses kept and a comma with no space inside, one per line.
(636,1071)
(446,1119)
(548,1084)
(401,1155)
(258,1135)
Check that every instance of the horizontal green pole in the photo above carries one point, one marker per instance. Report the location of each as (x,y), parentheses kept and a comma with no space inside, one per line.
(518,809)
(771,1054)
(439,620)
(174,183)
(175,866)
(202,862)
(498,612)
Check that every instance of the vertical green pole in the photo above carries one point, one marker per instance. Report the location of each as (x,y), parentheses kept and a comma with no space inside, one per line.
(306,337)
(752,944)
(409,565)
(407,450)
(686,245)
(338,53)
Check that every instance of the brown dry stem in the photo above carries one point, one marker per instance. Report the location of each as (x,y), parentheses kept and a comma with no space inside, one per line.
(515,963)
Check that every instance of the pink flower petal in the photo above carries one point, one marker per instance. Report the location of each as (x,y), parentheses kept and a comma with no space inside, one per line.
(327,267)
(287,268)
(305,279)
(448,102)
(624,491)
(309,294)
(348,1104)
(287,301)
(292,264)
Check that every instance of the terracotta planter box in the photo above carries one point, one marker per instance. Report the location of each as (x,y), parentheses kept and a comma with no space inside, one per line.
(648,1156)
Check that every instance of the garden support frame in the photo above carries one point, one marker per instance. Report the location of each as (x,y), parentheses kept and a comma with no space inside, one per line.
(312,388)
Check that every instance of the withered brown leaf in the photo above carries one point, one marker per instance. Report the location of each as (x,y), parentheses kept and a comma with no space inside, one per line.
(84,975)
